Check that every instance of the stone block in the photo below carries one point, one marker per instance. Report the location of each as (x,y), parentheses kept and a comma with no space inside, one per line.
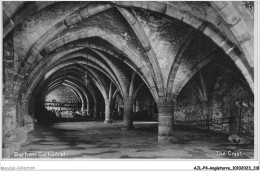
(60,26)
(210,32)
(175,13)
(126,3)
(31,59)
(33,52)
(221,4)
(86,12)
(141,4)
(233,54)
(218,39)
(248,49)
(227,46)
(243,37)
(53,45)
(191,20)
(157,6)
(73,19)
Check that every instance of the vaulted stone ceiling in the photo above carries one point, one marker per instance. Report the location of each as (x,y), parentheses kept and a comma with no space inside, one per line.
(164,43)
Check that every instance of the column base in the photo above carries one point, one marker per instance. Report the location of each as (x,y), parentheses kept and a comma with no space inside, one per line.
(108,121)
(127,128)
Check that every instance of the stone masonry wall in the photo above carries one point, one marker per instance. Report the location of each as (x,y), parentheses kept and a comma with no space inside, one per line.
(229,97)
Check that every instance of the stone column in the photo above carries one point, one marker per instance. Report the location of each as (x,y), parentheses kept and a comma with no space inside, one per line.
(151,110)
(205,112)
(128,112)
(87,108)
(154,113)
(107,112)
(82,106)
(95,110)
(204,109)
(165,122)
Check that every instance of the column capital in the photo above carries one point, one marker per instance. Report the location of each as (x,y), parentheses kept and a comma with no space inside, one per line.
(165,108)
(108,101)
(165,103)
(128,98)
(171,99)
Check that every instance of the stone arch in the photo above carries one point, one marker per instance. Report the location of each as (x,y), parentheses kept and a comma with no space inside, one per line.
(137,90)
(34,53)
(119,74)
(76,87)
(91,61)
(98,85)
(242,26)
(54,65)
(89,89)
(66,52)
(80,92)
(142,37)
(97,32)
(209,30)
(79,87)
(176,90)
(16,12)
(175,66)
(70,20)
(114,94)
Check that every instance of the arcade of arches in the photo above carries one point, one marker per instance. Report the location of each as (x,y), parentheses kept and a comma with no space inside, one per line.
(178,64)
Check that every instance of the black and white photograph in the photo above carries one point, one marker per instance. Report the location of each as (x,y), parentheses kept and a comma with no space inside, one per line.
(129,80)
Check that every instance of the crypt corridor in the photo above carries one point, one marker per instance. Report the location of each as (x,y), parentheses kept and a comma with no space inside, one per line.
(128,79)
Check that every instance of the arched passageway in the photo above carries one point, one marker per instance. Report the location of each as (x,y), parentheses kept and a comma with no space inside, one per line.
(181,64)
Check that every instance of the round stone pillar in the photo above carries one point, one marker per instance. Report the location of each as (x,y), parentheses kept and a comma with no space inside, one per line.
(107,112)
(127,116)
(206,113)
(205,109)
(165,122)
(95,115)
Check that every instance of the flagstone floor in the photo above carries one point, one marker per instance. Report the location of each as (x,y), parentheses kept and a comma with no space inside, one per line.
(96,140)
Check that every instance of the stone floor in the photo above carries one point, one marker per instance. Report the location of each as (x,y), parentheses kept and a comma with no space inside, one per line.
(94,140)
